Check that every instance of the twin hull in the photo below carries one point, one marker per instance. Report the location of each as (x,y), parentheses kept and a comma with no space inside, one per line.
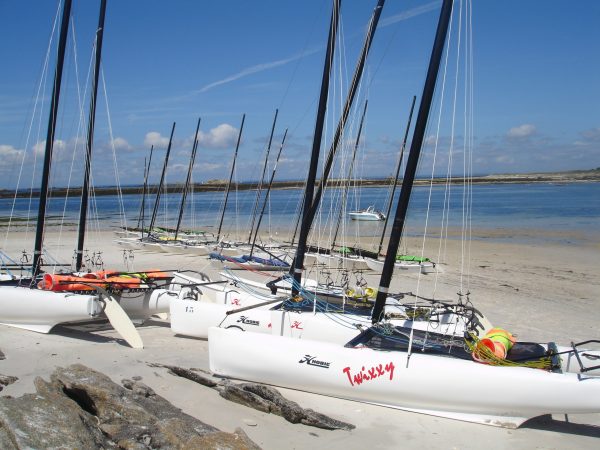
(437,385)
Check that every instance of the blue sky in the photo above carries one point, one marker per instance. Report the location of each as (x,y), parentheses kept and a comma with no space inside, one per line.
(535,91)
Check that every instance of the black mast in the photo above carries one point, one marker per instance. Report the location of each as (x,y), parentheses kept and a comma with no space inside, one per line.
(187,180)
(262,178)
(413,160)
(313,206)
(162,181)
(39,233)
(314,159)
(389,207)
(262,212)
(350,172)
(231,176)
(90,139)
(144,191)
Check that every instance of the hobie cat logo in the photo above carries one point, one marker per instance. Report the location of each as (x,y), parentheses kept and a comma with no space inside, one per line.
(313,361)
(246,321)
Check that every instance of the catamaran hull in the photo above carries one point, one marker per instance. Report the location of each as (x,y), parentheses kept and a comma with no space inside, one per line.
(424,267)
(194,318)
(40,311)
(196,250)
(436,385)
(340,261)
(145,303)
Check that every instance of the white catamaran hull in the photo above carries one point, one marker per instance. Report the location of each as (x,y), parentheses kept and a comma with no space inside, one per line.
(185,249)
(341,261)
(412,266)
(436,385)
(194,316)
(40,311)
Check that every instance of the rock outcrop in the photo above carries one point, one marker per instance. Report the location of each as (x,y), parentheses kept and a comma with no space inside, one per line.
(262,398)
(83,408)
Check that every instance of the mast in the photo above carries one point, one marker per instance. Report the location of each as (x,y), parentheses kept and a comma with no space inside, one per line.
(187,180)
(262,178)
(162,181)
(39,233)
(389,207)
(231,176)
(144,191)
(413,160)
(313,206)
(268,192)
(314,159)
(350,171)
(90,139)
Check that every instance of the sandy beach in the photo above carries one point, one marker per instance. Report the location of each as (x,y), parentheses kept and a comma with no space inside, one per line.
(545,292)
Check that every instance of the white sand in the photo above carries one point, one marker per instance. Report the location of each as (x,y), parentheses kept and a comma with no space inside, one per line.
(539,292)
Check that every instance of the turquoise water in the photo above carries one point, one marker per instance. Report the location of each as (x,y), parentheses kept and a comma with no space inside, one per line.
(542,211)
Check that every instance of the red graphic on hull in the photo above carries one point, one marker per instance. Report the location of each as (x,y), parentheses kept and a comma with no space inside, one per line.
(369,374)
(236,301)
(297,325)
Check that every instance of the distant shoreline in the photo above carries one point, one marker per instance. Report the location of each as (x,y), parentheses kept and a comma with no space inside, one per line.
(576,176)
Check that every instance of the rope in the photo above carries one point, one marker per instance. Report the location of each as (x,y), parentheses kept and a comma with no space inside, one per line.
(484,355)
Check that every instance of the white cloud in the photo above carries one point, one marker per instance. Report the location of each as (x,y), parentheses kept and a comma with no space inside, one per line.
(208,167)
(522,131)
(589,138)
(504,159)
(155,138)
(121,144)
(59,150)
(222,136)
(9,154)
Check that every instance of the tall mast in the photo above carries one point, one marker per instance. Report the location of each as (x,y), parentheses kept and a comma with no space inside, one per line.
(162,181)
(39,233)
(312,206)
(187,180)
(262,178)
(144,191)
(262,212)
(314,159)
(389,207)
(231,176)
(90,140)
(413,160)
(350,172)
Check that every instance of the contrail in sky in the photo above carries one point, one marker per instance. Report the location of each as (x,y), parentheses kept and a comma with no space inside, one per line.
(257,68)
(410,14)
(270,65)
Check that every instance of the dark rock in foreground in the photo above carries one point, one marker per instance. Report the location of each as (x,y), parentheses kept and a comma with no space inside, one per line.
(82,408)
(263,398)
(268,399)
(5,380)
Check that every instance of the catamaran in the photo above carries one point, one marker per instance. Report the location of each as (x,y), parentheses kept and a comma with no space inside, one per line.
(457,371)
(42,300)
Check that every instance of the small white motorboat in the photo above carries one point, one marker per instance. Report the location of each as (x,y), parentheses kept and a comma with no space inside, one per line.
(369,214)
